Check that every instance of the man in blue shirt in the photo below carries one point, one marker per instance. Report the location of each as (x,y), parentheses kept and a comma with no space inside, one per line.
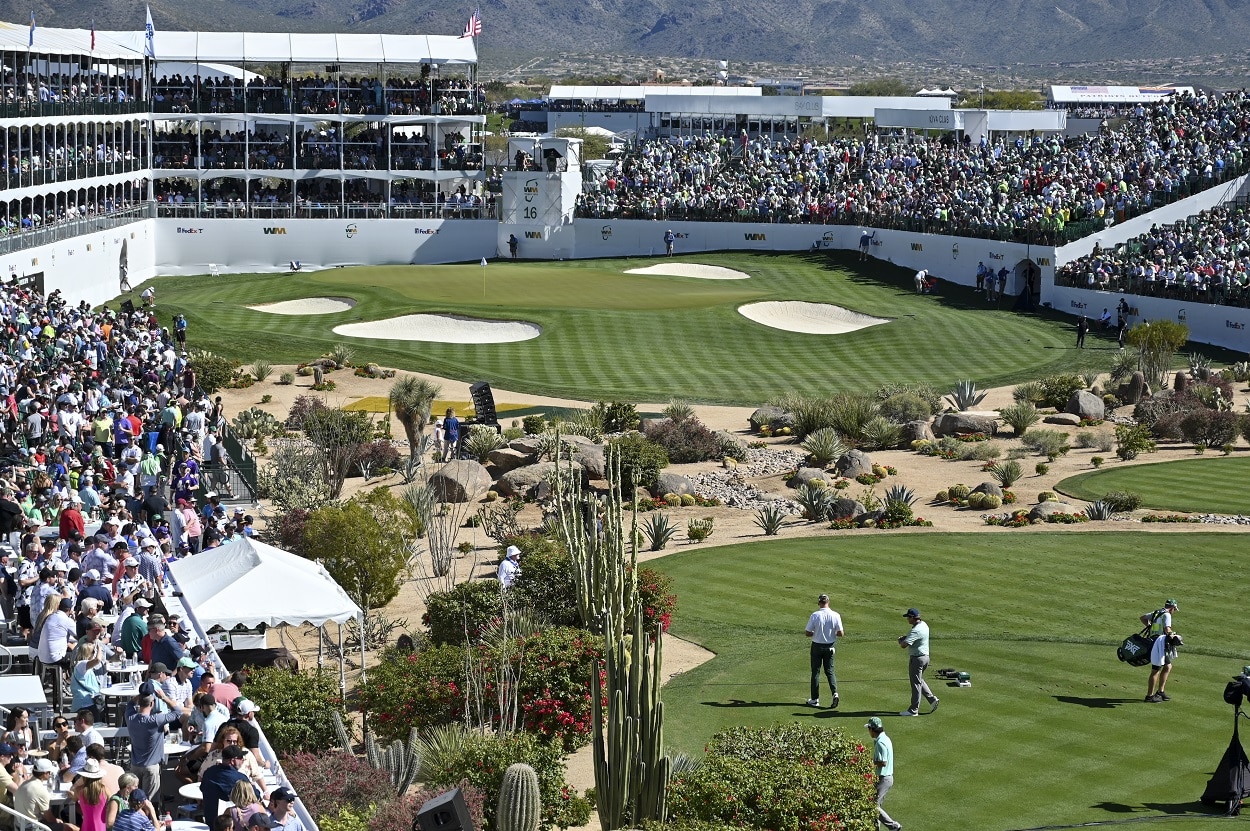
(147,740)
(165,648)
(219,780)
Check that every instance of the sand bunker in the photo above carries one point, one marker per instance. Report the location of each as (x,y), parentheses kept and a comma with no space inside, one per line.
(808,318)
(703,272)
(307,306)
(442,329)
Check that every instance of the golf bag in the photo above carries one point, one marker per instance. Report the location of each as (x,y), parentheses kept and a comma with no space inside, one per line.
(1231,781)
(1135,650)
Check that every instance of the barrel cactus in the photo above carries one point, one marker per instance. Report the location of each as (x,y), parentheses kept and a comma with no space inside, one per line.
(520,805)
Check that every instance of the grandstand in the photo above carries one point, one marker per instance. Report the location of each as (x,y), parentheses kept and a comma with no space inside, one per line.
(248,151)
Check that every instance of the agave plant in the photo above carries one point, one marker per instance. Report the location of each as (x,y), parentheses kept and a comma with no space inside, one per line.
(823,446)
(1007,473)
(1199,366)
(899,495)
(769,519)
(1099,510)
(659,531)
(814,501)
(965,396)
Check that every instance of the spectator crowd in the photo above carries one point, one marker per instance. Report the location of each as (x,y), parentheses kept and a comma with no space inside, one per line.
(1028,187)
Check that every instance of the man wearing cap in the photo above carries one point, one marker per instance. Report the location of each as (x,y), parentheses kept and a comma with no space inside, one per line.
(244,721)
(1162,651)
(280,810)
(134,629)
(134,817)
(916,642)
(883,762)
(824,627)
(92,590)
(8,784)
(71,517)
(178,686)
(33,799)
(509,567)
(130,582)
(147,738)
(219,779)
(151,564)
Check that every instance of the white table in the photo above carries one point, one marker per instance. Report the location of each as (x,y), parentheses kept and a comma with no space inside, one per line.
(189,825)
(118,669)
(22,691)
(127,690)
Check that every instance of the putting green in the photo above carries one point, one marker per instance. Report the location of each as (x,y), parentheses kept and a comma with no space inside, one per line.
(1053,730)
(1209,484)
(611,335)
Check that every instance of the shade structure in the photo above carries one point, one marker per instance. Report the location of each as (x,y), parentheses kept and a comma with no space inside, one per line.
(248,582)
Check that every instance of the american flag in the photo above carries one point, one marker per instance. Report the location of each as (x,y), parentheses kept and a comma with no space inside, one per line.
(474,27)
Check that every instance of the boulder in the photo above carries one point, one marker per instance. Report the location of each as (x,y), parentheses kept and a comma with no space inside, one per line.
(1044,509)
(852,463)
(804,475)
(590,457)
(843,508)
(1086,405)
(770,416)
(874,517)
(506,459)
(949,424)
(917,431)
(527,444)
(462,480)
(646,425)
(524,481)
(672,483)
(732,445)
(1065,419)
(989,489)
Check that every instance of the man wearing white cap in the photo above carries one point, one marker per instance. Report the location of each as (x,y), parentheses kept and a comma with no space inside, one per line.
(33,799)
(93,589)
(510,567)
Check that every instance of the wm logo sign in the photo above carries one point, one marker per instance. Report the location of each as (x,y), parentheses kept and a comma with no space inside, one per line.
(533,234)
(1043,260)
(917,246)
(275,231)
(755,237)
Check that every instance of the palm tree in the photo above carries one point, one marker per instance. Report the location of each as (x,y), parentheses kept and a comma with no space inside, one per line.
(412,398)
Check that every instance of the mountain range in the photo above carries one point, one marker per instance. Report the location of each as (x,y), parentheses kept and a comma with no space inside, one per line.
(813,32)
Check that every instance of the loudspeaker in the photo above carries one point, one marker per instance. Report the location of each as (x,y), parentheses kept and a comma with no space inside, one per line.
(483,403)
(128,307)
(444,813)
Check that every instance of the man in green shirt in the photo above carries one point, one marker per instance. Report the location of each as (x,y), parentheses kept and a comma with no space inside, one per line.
(135,629)
(883,761)
(916,642)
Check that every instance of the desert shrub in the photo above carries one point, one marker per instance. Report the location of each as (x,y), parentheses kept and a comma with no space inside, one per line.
(641,460)
(401,813)
(1150,410)
(480,441)
(926,393)
(587,423)
(1030,393)
(332,781)
(678,410)
(299,707)
(286,378)
(980,451)
(482,760)
(212,371)
(688,440)
(1057,389)
(1245,427)
(903,407)
(1049,443)
(1122,501)
(1210,427)
(879,433)
(546,584)
(375,456)
(616,417)
(1020,417)
(287,532)
(1133,440)
(461,614)
(533,425)
(823,446)
(731,447)
(301,408)
(1085,439)
(844,412)
(788,777)
(659,601)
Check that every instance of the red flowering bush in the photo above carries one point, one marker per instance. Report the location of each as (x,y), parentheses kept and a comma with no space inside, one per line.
(659,601)
(400,813)
(420,690)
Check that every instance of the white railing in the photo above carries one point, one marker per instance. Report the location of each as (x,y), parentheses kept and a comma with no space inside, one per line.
(21,822)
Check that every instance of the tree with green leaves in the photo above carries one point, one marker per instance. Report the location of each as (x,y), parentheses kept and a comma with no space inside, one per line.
(338,435)
(411,398)
(882,86)
(363,546)
(593,146)
(1156,341)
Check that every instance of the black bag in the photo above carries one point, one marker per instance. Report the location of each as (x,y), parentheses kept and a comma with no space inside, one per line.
(1135,650)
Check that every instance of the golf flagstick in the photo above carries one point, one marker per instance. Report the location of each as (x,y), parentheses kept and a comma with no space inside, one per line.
(483,278)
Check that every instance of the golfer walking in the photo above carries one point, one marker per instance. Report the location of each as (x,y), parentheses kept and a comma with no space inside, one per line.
(883,761)
(824,627)
(916,642)
(1162,652)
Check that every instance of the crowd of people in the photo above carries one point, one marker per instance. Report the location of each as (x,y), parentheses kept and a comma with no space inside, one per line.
(1205,258)
(1028,187)
(80,87)
(42,154)
(107,438)
(321,198)
(21,219)
(318,95)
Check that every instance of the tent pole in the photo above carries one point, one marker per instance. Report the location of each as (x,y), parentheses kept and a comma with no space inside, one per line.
(342,666)
(362,646)
(321,646)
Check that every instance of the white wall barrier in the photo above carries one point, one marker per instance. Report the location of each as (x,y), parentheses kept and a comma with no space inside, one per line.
(189,246)
(1226,326)
(88,266)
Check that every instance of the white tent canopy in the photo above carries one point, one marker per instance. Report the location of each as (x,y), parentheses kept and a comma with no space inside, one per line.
(248,582)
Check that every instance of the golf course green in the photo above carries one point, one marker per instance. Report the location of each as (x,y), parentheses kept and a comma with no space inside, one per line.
(1211,484)
(1053,730)
(611,335)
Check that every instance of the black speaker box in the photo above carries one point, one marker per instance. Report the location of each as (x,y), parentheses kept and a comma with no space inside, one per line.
(444,813)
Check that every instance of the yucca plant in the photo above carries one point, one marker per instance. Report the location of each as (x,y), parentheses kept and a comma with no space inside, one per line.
(658,531)
(342,354)
(814,501)
(481,440)
(261,369)
(769,519)
(678,410)
(1029,393)
(1007,473)
(823,446)
(965,396)
(1123,364)
(1020,417)
(879,433)
(1099,510)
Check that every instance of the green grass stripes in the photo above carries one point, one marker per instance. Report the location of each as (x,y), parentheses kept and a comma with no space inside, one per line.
(1053,729)
(607,334)
(1211,484)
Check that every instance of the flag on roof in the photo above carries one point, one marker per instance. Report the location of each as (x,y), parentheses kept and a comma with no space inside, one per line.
(474,27)
(149,36)
(32,30)
(93,34)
